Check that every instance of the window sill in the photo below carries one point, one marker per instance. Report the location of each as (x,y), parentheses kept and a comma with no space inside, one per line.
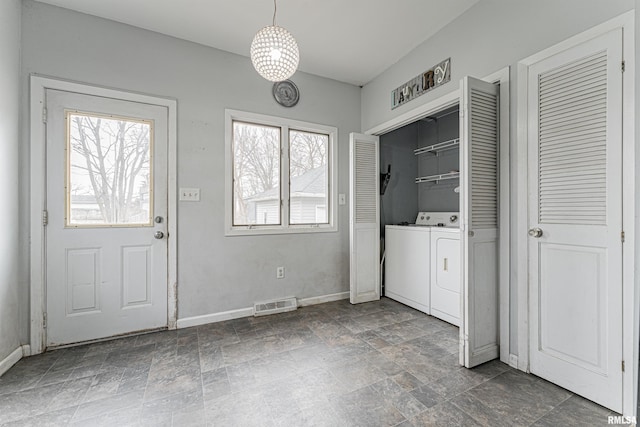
(266,230)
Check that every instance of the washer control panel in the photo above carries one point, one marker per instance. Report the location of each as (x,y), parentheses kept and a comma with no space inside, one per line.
(438,219)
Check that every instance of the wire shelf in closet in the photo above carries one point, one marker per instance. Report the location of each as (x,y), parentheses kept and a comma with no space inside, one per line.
(437,178)
(439,147)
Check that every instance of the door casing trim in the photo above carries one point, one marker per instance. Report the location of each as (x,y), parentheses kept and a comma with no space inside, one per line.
(630,292)
(37,101)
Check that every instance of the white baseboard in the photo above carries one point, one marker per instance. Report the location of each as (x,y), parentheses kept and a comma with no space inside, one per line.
(302,302)
(26,350)
(10,360)
(188,322)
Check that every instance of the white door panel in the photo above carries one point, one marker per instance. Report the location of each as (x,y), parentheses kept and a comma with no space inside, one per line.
(364,220)
(106,273)
(82,280)
(482,307)
(137,272)
(479,131)
(575,202)
(579,311)
(366,257)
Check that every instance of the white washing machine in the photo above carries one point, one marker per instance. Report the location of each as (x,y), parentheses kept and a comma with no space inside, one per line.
(406,266)
(408,258)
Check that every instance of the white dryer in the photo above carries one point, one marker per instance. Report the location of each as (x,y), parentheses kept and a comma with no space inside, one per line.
(445,274)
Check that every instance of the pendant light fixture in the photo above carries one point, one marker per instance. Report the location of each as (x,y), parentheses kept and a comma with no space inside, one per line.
(274,52)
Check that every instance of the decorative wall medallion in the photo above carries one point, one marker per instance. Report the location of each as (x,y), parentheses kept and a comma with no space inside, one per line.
(286,93)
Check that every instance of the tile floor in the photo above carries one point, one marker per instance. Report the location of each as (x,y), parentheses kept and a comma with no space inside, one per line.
(375,364)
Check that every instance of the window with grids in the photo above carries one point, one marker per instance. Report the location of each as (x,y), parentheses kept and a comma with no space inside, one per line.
(281,175)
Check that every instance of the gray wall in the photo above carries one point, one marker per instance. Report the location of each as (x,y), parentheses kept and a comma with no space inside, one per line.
(400,200)
(491,35)
(11,330)
(215,273)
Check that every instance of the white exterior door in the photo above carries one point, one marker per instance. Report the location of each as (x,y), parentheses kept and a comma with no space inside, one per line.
(364,219)
(575,219)
(106,238)
(479,134)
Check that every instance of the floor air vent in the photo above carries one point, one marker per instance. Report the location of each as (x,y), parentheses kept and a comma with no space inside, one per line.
(276,306)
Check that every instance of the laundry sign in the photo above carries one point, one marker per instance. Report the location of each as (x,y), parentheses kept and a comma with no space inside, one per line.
(432,78)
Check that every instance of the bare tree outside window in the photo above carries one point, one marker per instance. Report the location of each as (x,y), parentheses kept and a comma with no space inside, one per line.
(256,172)
(308,151)
(110,173)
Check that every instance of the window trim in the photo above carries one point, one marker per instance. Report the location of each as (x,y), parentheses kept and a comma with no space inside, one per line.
(285,125)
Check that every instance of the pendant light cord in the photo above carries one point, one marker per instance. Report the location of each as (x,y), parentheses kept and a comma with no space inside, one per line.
(275,8)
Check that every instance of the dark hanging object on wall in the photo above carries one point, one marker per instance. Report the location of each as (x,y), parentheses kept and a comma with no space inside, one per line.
(286,93)
(384,180)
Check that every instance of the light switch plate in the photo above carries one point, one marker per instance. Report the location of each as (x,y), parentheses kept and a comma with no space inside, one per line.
(342,199)
(190,194)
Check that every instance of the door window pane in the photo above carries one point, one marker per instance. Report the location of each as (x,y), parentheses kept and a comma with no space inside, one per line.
(256,174)
(309,177)
(109,173)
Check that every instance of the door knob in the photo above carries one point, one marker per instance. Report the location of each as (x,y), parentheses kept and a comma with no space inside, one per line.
(535,232)
(158,234)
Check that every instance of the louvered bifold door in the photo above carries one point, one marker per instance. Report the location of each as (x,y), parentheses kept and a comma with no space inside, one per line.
(575,218)
(364,223)
(479,132)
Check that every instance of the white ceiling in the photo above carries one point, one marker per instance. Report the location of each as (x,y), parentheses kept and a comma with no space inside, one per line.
(347,40)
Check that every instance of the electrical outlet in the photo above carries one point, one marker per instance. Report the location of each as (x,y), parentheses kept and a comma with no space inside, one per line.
(190,194)
(280,273)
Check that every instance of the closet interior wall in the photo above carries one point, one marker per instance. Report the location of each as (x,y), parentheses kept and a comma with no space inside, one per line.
(439,196)
(403,198)
(400,200)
